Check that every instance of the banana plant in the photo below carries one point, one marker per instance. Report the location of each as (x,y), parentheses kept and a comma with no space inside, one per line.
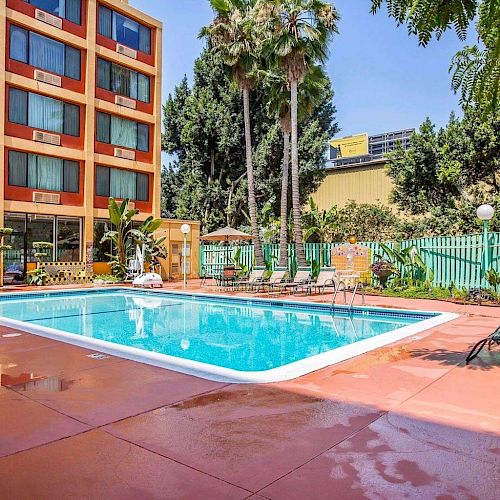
(410,267)
(493,278)
(144,235)
(121,218)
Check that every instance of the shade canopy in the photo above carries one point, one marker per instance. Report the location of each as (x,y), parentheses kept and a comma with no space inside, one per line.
(227,234)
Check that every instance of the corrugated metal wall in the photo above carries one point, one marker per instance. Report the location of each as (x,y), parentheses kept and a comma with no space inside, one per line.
(367,184)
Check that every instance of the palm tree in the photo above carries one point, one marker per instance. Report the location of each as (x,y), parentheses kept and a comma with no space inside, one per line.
(311,94)
(298,35)
(232,36)
(320,223)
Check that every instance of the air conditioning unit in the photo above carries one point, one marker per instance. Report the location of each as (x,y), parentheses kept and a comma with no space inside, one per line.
(40,136)
(125,101)
(126,51)
(51,198)
(42,76)
(45,17)
(126,154)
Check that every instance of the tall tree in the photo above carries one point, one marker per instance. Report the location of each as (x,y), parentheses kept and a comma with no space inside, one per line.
(312,93)
(299,32)
(476,68)
(232,36)
(187,191)
(446,174)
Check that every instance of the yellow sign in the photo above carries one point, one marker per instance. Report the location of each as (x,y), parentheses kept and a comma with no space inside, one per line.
(345,147)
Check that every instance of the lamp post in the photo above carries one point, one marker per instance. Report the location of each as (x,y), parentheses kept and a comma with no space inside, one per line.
(485,213)
(185,229)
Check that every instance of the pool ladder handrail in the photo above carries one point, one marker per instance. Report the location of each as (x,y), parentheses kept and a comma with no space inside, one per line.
(344,289)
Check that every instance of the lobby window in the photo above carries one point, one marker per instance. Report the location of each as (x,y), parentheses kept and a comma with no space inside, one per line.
(43,172)
(70,10)
(123,81)
(103,250)
(122,132)
(121,184)
(124,30)
(68,239)
(45,113)
(44,53)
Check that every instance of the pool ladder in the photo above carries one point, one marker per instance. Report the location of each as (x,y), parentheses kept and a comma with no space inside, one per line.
(353,296)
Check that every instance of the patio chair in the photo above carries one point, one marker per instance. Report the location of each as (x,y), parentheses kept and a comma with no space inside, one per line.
(327,278)
(493,338)
(279,275)
(302,277)
(227,278)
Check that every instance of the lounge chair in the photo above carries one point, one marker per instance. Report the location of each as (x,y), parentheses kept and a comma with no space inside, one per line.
(327,278)
(302,277)
(255,278)
(279,275)
(493,338)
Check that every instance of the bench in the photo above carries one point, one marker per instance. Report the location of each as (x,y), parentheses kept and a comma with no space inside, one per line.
(65,273)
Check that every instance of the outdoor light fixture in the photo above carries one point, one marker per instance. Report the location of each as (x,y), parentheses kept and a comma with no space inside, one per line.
(485,213)
(185,230)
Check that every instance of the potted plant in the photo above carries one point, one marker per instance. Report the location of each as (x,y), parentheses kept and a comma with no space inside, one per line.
(41,248)
(383,270)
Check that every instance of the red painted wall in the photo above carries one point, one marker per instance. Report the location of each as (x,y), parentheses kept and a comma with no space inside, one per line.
(25,132)
(68,26)
(111,44)
(28,71)
(18,193)
(143,206)
(142,156)
(107,95)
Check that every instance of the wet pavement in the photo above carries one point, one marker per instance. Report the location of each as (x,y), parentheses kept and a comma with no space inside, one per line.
(408,420)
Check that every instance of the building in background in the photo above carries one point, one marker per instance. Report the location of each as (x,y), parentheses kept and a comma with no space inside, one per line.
(81,83)
(356,169)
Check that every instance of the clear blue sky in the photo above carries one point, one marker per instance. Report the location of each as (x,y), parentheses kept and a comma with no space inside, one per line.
(382,79)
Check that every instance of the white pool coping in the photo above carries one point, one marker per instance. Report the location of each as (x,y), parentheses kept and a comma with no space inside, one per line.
(222,374)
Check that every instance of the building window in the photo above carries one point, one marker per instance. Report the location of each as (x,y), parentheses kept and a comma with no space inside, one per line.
(123,81)
(121,184)
(124,30)
(102,251)
(70,10)
(68,239)
(122,132)
(43,172)
(44,53)
(41,112)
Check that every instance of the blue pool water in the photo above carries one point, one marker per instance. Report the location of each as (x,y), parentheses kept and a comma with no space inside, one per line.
(241,335)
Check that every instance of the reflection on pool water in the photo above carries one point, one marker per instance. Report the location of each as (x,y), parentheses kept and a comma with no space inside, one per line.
(247,336)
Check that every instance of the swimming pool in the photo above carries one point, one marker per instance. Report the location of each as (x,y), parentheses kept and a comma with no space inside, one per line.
(215,337)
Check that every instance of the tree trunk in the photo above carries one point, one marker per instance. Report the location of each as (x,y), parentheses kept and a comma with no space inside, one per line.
(212,164)
(252,205)
(284,202)
(297,221)
(234,184)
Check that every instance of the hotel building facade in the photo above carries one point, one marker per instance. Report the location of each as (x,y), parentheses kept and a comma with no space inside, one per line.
(81,84)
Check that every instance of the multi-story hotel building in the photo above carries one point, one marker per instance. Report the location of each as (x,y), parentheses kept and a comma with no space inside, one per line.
(81,83)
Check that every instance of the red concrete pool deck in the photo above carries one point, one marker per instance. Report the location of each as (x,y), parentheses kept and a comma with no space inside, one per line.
(408,420)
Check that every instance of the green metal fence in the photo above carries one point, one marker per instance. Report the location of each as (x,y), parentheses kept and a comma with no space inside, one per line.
(453,259)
